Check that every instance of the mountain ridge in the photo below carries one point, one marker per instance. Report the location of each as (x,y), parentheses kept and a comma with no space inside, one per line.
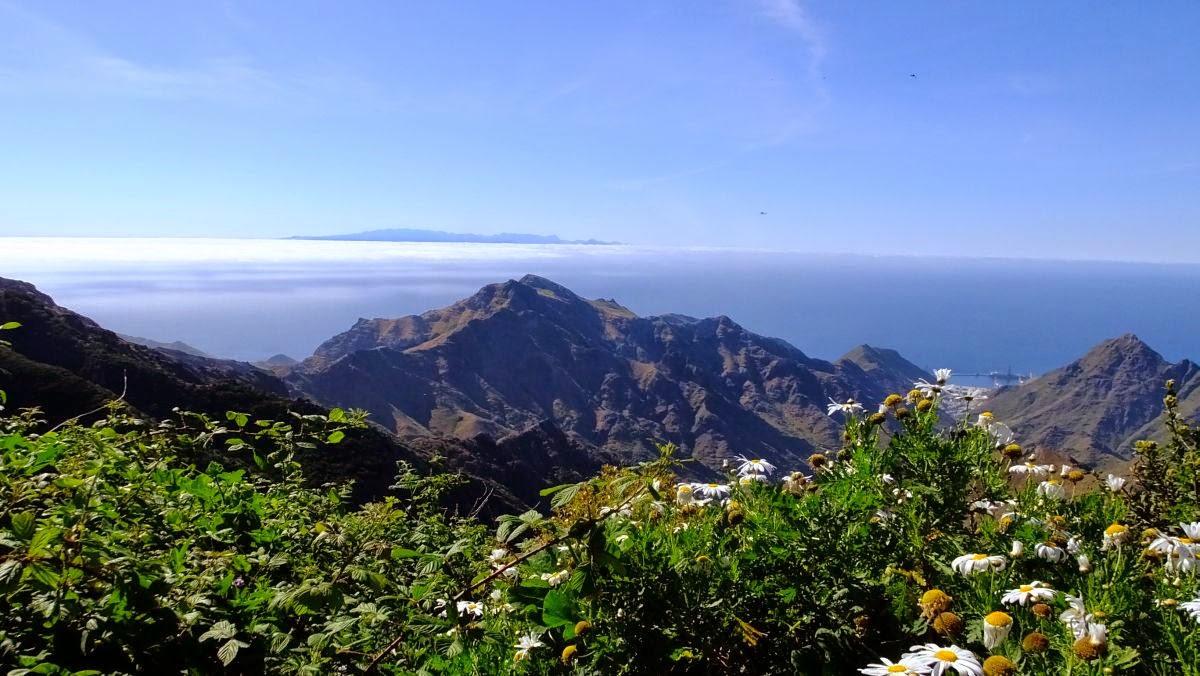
(519,353)
(1096,406)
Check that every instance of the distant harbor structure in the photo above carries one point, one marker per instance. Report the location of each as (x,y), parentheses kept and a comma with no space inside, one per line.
(1000,378)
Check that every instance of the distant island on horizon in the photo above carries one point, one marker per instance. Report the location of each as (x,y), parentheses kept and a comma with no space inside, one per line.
(413,235)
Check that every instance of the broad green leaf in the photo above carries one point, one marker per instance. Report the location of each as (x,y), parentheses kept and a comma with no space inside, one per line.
(556,609)
(553,489)
(10,325)
(10,571)
(43,573)
(23,525)
(335,437)
(228,652)
(565,495)
(224,629)
(336,415)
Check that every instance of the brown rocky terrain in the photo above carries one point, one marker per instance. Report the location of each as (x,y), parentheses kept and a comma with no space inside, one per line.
(66,365)
(1095,407)
(530,353)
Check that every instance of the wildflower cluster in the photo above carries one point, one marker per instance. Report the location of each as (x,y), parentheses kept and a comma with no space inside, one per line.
(915,547)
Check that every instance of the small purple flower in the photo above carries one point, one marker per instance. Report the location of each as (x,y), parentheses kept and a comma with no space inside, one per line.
(239,582)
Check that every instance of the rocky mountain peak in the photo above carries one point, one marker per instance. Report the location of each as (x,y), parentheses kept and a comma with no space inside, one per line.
(520,353)
(1096,407)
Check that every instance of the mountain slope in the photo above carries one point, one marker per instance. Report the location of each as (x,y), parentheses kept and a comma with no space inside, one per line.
(1096,407)
(522,353)
(67,365)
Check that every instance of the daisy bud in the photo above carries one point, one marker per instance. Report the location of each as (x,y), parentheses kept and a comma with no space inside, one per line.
(948,624)
(934,602)
(893,400)
(1093,644)
(1012,451)
(1042,610)
(877,418)
(999,665)
(568,653)
(1035,641)
(818,460)
(901,413)
(582,626)
(1018,548)
(1085,565)
(924,405)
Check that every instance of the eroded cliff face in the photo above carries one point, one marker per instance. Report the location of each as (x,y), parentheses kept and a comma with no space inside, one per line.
(523,353)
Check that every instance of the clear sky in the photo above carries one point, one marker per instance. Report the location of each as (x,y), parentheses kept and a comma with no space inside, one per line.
(1046,129)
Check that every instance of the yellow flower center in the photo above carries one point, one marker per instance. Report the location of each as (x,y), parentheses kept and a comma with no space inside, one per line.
(1025,589)
(1186,541)
(757,461)
(1115,529)
(998,619)
(946,655)
(712,485)
(685,489)
(978,557)
(897,669)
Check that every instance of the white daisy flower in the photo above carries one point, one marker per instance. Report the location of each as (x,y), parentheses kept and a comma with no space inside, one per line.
(525,644)
(942,376)
(1114,483)
(926,388)
(995,628)
(1115,535)
(752,479)
(1076,616)
(555,579)
(971,564)
(470,608)
(940,660)
(1048,551)
(1192,608)
(711,491)
(907,666)
(756,466)
(1052,489)
(1034,591)
(849,408)
(1018,549)
(1074,546)
(985,420)
(1191,530)
(794,483)
(1032,469)
(497,554)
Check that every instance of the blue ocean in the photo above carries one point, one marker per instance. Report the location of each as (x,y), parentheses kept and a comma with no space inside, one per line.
(250,299)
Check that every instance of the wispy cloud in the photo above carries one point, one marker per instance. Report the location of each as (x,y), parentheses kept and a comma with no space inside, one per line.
(50,58)
(791,15)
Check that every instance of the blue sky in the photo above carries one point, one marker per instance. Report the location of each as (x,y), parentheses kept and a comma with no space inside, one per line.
(1001,129)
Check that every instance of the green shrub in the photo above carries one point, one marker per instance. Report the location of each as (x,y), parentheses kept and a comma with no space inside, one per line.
(194,546)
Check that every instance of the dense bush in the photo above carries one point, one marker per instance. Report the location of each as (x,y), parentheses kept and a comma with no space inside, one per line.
(126,548)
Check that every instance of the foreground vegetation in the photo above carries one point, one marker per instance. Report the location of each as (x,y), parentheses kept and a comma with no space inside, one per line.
(194,545)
